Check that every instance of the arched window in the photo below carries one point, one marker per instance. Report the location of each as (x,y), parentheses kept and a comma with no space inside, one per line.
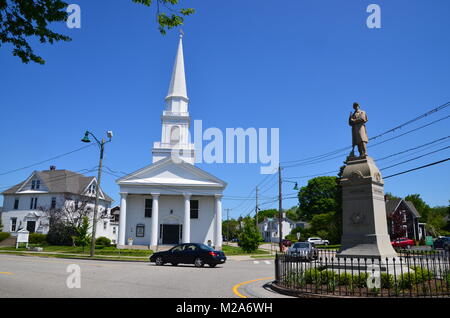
(174,135)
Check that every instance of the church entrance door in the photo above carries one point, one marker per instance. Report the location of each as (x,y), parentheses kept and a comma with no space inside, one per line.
(171,233)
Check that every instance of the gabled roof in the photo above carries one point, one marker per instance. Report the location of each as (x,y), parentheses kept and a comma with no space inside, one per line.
(166,172)
(392,205)
(59,181)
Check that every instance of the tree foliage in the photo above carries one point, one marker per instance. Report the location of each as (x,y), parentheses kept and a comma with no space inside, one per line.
(23,20)
(230,229)
(320,195)
(320,204)
(269,213)
(168,20)
(249,238)
(82,237)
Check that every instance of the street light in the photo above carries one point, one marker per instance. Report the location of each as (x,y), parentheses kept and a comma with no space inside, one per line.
(97,188)
(295,186)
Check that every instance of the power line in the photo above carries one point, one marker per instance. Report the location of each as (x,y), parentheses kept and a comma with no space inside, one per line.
(47,160)
(417,168)
(415,158)
(414,148)
(325,155)
(413,120)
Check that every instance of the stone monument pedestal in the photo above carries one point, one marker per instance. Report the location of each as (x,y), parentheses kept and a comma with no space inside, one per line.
(364,221)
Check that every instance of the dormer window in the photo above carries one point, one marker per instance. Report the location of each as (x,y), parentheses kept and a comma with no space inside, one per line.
(35,184)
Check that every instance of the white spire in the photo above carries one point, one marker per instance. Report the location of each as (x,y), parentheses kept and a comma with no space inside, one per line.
(177,86)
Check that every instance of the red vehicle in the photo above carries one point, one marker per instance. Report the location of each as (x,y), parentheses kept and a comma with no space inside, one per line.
(403,242)
(287,243)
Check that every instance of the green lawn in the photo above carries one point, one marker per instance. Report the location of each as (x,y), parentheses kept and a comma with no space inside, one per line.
(234,250)
(99,250)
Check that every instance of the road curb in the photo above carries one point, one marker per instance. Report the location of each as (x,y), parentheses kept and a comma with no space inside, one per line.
(81,258)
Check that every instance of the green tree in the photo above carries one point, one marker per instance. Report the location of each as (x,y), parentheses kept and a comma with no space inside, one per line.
(230,229)
(293,213)
(320,204)
(390,196)
(22,20)
(420,205)
(249,238)
(270,213)
(320,195)
(83,238)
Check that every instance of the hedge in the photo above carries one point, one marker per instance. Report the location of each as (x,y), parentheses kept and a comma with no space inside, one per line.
(4,236)
(37,238)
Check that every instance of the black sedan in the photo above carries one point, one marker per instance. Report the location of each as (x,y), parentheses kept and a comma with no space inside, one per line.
(442,242)
(189,253)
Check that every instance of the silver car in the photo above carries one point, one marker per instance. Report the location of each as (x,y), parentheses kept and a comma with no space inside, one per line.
(304,250)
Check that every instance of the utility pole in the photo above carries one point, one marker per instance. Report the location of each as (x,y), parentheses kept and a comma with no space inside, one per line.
(97,186)
(256,207)
(280,210)
(228,226)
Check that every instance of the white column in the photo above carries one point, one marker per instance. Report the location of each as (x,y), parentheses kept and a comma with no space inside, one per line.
(187,219)
(218,220)
(122,218)
(155,221)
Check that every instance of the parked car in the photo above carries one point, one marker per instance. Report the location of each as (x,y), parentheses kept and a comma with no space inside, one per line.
(403,242)
(189,253)
(442,242)
(287,243)
(304,250)
(318,241)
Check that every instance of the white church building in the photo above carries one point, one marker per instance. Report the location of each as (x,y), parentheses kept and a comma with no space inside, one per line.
(171,201)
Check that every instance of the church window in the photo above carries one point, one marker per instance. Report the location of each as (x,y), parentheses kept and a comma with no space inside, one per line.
(194,209)
(16,204)
(148,208)
(174,135)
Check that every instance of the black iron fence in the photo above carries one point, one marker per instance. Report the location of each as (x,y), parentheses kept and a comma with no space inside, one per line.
(411,274)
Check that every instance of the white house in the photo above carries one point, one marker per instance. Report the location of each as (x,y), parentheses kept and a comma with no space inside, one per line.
(172,201)
(28,204)
(269,228)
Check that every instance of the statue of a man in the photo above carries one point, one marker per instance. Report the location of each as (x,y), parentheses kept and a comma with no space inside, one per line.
(357,120)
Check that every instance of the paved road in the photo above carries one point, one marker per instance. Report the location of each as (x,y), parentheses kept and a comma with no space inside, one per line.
(29,276)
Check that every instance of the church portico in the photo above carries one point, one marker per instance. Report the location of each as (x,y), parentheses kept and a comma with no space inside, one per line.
(172,219)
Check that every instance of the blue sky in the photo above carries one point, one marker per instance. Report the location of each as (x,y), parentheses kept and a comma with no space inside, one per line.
(293,65)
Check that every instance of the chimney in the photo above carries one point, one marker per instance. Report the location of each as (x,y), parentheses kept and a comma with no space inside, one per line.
(52,167)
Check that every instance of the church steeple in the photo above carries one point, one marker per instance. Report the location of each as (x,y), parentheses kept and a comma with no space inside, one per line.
(177,87)
(175,119)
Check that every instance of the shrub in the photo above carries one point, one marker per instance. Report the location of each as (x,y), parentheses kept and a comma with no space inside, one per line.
(420,275)
(344,279)
(312,276)
(4,236)
(387,280)
(327,277)
(103,241)
(37,238)
(60,234)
